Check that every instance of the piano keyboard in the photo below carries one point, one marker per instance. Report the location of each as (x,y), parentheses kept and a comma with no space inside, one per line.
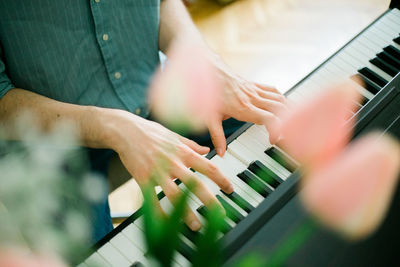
(258,170)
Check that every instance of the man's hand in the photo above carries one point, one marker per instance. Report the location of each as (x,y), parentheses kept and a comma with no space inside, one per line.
(245,101)
(152,153)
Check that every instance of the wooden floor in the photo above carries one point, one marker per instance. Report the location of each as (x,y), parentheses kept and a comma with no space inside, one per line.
(276,42)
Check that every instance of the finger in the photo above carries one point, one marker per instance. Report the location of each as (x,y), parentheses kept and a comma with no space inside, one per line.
(209,169)
(173,192)
(267,88)
(193,145)
(145,188)
(199,188)
(266,104)
(271,95)
(263,117)
(217,136)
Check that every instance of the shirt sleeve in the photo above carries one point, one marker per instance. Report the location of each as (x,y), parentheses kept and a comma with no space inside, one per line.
(5,83)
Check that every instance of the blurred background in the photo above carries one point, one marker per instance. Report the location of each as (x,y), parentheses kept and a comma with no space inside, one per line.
(276,42)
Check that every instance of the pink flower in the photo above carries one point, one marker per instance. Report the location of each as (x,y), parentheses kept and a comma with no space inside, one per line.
(346,188)
(187,91)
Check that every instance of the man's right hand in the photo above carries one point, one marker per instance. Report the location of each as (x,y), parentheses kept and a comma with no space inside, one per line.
(150,151)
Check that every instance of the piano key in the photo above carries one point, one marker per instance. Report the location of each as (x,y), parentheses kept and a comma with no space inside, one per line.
(185,250)
(393,51)
(385,56)
(397,40)
(379,63)
(231,166)
(113,256)
(225,227)
(137,264)
(263,172)
(191,235)
(128,249)
(394,28)
(284,160)
(366,83)
(231,212)
(376,78)
(96,260)
(253,181)
(247,156)
(241,202)
(135,235)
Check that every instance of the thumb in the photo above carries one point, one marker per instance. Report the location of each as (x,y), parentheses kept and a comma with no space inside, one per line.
(217,136)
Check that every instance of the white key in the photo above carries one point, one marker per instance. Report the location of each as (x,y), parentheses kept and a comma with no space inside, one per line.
(134,234)
(231,166)
(128,249)
(96,260)
(181,260)
(113,256)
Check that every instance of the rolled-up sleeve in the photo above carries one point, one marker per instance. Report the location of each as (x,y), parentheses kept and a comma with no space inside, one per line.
(5,83)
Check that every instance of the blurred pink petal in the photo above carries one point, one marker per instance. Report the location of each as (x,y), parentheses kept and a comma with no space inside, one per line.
(315,131)
(351,194)
(17,258)
(187,91)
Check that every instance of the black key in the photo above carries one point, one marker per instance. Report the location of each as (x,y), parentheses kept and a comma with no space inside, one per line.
(265,174)
(185,250)
(191,235)
(385,56)
(231,212)
(137,264)
(397,40)
(225,226)
(255,183)
(393,51)
(241,202)
(366,83)
(363,100)
(376,78)
(389,69)
(282,159)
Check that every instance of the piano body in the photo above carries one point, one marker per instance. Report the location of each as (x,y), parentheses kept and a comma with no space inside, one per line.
(268,210)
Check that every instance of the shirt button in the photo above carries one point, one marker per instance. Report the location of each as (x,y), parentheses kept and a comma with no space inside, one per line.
(137,111)
(117,75)
(105,37)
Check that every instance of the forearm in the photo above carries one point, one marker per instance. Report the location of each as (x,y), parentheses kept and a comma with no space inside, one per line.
(89,120)
(175,24)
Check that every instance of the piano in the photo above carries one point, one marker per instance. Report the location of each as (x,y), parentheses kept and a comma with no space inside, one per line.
(264,209)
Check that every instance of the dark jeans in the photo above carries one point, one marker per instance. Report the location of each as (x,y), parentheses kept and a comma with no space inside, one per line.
(99,162)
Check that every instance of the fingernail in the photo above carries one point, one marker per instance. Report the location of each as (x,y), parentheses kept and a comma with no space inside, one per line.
(230,189)
(195,226)
(220,152)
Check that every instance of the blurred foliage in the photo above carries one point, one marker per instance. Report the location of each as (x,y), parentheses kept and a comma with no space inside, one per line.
(43,200)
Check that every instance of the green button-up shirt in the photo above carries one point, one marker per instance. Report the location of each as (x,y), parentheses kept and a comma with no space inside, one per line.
(89,52)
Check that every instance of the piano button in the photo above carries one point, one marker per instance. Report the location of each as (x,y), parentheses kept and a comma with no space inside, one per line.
(393,51)
(231,166)
(225,227)
(397,40)
(379,63)
(231,212)
(113,256)
(253,181)
(263,172)
(385,56)
(185,250)
(96,260)
(128,249)
(366,83)
(282,159)
(240,201)
(373,76)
